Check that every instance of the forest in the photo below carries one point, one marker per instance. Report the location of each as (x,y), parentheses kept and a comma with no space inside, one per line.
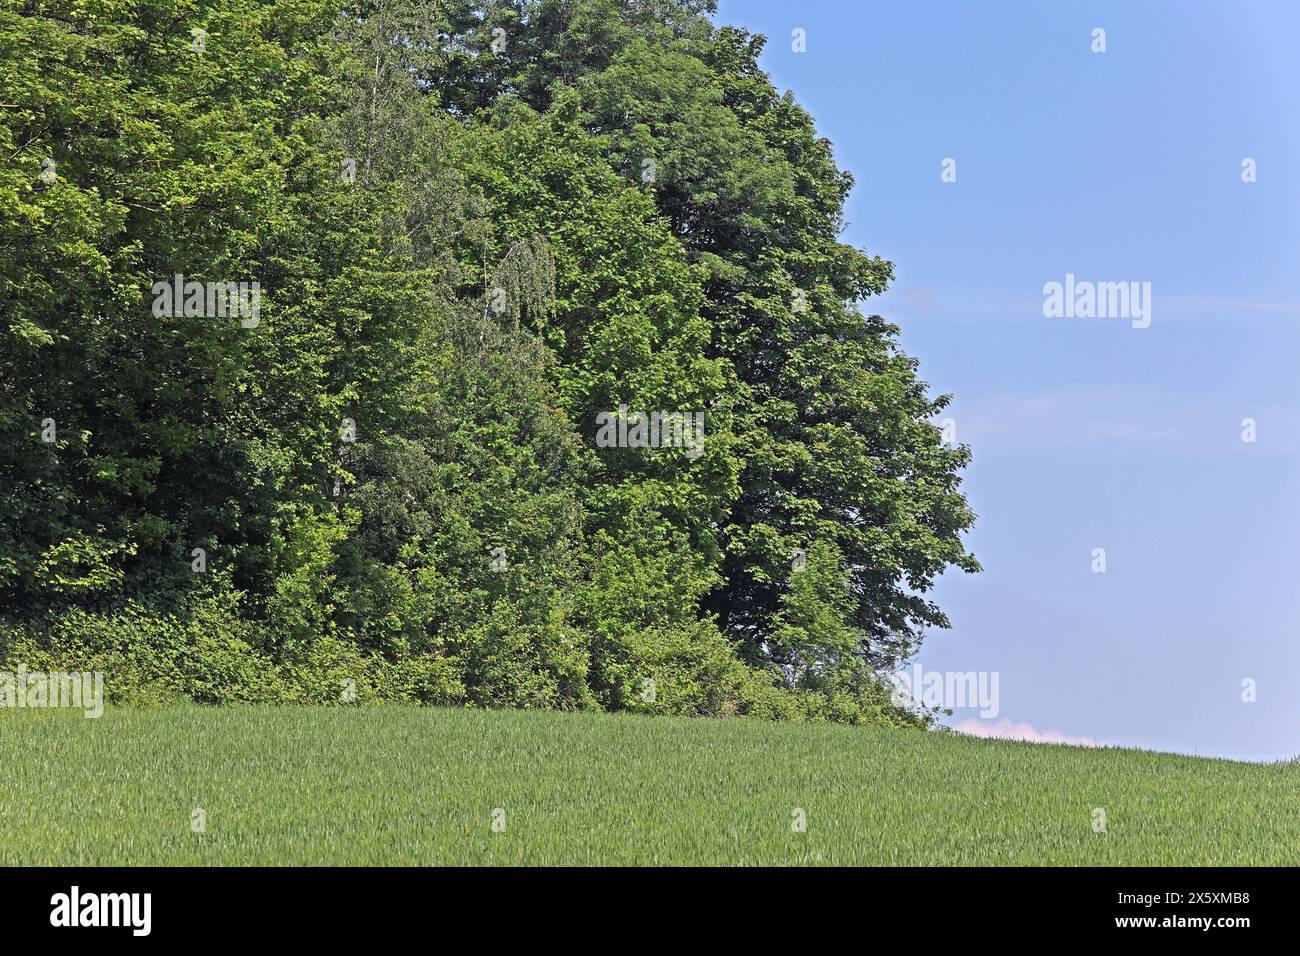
(491,353)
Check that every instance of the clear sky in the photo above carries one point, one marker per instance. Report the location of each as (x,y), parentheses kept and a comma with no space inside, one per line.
(1088,433)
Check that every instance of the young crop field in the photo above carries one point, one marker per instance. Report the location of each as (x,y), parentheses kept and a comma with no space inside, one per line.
(425,786)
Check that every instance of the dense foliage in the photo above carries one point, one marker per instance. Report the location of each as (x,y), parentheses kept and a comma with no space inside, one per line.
(478,231)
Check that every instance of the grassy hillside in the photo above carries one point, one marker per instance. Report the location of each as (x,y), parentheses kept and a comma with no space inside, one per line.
(390,785)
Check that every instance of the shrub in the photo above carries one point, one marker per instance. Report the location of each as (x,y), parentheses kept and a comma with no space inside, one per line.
(207,653)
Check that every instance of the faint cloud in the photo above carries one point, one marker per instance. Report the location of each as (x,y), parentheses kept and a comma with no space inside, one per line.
(1007,729)
(1211,307)
(1109,415)
(1001,306)
(920,299)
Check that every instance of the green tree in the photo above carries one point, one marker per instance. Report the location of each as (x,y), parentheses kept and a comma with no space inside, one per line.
(833,428)
(477,229)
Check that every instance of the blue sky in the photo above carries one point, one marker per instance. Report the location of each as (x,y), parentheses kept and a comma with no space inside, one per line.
(1117,166)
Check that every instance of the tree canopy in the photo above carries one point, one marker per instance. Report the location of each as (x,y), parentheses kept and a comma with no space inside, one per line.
(454,239)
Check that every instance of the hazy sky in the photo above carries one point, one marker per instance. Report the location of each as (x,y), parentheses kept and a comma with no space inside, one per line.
(1087,432)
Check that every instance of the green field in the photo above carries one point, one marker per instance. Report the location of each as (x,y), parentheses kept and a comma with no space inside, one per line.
(393,785)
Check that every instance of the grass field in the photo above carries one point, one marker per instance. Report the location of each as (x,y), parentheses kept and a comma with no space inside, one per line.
(391,785)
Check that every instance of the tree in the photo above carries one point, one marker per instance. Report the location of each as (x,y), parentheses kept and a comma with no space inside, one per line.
(833,427)
(492,243)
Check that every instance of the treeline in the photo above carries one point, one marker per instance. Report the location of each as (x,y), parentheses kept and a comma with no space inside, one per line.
(312,316)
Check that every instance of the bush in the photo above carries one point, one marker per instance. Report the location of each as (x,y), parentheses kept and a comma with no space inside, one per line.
(207,653)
